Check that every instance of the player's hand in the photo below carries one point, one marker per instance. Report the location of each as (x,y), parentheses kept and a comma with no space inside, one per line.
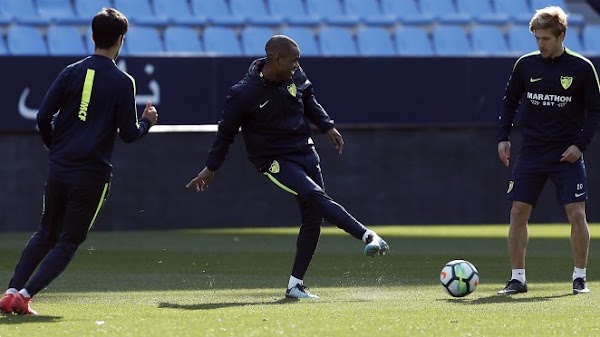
(571,154)
(336,139)
(150,113)
(504,152)
(201,181)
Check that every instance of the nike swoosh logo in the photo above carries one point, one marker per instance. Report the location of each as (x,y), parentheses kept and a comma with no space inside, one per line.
(532,80)
(263,104)
(577,195)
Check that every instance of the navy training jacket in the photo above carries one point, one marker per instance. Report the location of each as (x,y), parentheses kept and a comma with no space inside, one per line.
(93,98)
(560,101)
(274,118)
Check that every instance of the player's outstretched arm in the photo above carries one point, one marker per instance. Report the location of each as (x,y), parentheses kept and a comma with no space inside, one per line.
(336,139)
(201,181)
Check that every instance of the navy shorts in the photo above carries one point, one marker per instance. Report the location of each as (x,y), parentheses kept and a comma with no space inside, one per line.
(530,176)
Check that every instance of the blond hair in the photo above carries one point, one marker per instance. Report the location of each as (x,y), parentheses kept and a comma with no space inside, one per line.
(551,17)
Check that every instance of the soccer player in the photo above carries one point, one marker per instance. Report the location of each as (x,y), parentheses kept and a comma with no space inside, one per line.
(92,99)
(559,94)
(274,105)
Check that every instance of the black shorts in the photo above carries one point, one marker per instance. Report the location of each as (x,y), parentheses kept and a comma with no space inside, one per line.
(529,177)
(71,209)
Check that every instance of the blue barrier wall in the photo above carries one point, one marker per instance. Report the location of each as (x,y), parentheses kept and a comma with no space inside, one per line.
(445,170)
(354,90)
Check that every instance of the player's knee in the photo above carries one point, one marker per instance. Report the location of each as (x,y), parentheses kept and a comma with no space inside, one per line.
(576,215)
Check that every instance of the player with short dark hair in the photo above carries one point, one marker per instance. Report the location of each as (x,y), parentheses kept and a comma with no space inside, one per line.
(274,105)
(559,94)
(91,99)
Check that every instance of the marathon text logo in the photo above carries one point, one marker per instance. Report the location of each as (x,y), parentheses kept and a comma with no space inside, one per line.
(548,100)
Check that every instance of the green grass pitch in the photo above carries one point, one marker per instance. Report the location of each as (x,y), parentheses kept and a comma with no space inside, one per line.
(231,283)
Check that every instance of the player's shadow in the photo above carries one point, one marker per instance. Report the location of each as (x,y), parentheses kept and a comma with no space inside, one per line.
(211,306)
(505,299)
(23,319)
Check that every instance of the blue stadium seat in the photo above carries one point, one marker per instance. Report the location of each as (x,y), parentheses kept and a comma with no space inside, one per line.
(451,40)
(177,12)
(87,9)
(368,12)
(445,12)
(143,40)
(254,39)
(575,19)
(330,12)
(3,49)
(591,38)
(489,40)
(573,41)
(65,40)
(518,11)
(337,41)
(305,38)
(216,12)
(374,41)
(25,40)
(413,41)
(60,11)
(182,39)
(22,12)
(407,12)
(292,12)
(255,12)
(520,40)
(221,41)
(482,11)
(139,12)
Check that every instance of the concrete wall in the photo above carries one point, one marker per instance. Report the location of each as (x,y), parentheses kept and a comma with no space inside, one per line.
(385,176)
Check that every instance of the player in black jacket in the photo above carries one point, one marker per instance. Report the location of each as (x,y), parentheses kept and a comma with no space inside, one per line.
(93,99)
(559,95)
(274,105)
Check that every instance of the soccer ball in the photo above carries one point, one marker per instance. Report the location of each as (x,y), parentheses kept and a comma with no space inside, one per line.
(459,278)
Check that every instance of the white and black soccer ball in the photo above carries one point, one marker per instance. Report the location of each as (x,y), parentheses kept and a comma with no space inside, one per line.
(459,278)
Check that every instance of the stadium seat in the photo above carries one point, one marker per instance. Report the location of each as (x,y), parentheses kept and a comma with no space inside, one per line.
(254,12)
(305,39)
(488,40)
(139,12)
(25,40)
(143,40)
(65,40)
(413,41)
(3,49)
(336,41)
(216,12)
(407,12)
(374,41)
(575,19)
(177,12)
(451,40)
(60,11)
(445,12)
(254,39)
(221,41)
(182,39)
(573,41)
(368,12)
(330,12)
(292,12)
(22,12)
(87,9)
(518,11)
(591,38)
(482,11)
(520,40)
